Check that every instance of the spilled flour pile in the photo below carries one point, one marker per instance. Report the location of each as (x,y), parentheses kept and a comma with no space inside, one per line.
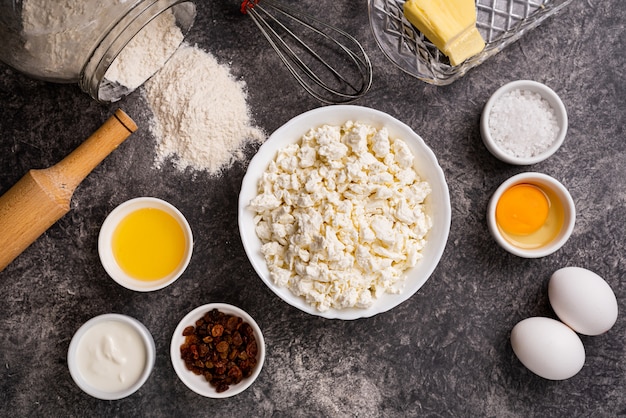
(201,117)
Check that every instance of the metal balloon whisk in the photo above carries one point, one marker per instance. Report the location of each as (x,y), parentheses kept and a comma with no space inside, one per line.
(329,63)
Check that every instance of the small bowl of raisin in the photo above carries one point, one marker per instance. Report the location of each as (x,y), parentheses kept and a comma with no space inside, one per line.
(217,350)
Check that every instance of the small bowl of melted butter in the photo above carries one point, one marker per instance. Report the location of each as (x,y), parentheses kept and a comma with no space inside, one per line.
(145,244)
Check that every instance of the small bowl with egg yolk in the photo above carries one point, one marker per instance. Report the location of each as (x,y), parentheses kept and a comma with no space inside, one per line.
(531,215)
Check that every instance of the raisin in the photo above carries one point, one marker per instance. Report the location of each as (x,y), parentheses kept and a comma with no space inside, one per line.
(217,330)
(221,347)
(232,323)
(236,374)
(247,330)
(252,349)
(237,340)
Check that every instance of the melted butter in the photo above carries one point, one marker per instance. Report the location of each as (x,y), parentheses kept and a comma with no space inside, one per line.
(149,244)
(111,356)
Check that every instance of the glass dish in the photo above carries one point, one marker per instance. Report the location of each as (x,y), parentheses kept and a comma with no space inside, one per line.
(500,22)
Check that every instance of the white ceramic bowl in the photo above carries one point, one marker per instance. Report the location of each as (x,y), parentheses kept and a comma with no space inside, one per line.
(546,182)
(198,383)
(426,165)
(105,249)
(83,382)
(546,93)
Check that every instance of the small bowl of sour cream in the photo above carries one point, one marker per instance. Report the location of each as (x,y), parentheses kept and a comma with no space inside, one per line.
(111,356)
(523,122)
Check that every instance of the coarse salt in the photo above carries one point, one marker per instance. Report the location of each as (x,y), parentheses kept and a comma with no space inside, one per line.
(523,124)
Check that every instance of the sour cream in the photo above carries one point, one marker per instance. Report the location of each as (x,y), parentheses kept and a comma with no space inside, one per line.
(111,356)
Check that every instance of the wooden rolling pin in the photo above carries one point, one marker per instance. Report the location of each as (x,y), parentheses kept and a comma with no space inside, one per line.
(42,197)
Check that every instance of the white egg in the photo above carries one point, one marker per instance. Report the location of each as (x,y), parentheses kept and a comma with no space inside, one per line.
(548,348)
(582,300)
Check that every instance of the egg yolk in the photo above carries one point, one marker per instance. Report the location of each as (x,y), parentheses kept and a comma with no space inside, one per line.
(149,244)
(522,209)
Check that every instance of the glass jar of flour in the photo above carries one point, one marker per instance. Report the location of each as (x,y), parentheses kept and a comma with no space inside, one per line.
(108,47)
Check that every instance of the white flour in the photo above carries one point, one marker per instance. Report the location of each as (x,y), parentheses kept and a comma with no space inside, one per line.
(58,35)
(201,118)
(146,52)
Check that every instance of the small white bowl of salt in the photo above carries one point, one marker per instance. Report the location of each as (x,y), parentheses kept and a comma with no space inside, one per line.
(524,122)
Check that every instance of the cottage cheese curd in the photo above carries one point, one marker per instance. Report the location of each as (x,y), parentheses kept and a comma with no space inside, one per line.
(341,215)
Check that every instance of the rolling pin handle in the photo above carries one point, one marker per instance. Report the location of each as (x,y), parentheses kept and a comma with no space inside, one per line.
(42,197)
(73,169)
(125,120)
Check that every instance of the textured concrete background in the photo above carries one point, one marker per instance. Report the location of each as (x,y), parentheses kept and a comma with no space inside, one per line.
(444,352)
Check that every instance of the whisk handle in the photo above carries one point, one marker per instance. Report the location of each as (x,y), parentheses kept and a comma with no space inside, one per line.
(248,4)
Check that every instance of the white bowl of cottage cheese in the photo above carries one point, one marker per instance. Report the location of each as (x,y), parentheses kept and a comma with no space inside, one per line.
(344,212)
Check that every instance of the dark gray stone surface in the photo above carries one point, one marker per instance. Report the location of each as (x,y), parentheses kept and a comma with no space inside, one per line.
(444,352)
